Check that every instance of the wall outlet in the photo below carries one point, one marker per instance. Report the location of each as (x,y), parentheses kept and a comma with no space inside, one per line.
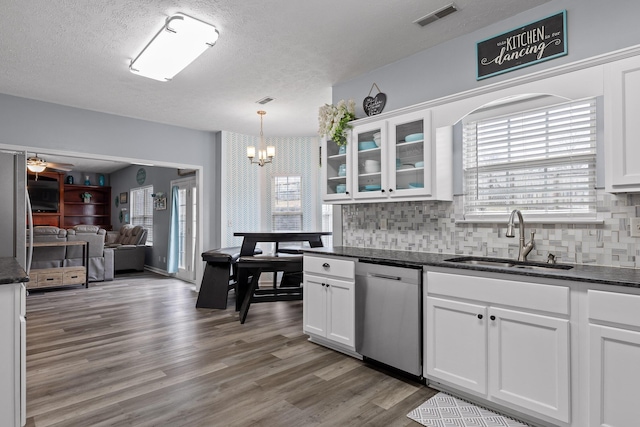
(635,227)
(383,223)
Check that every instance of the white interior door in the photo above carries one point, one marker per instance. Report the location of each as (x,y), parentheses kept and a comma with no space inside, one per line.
(187,209)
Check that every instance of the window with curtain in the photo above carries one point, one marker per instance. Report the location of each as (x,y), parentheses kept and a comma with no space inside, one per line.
(141,205)
(541,161)
(286,208)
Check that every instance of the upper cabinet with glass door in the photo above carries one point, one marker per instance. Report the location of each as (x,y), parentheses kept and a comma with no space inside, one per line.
(396,158)
(369,167)
(410,149)
(336,169)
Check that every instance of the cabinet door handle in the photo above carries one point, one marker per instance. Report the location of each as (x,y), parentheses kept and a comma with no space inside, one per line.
(327,285)
(391,190)
(326,265)
(323,285)
(480,316)
(492,317)
(346,192)
(382,190)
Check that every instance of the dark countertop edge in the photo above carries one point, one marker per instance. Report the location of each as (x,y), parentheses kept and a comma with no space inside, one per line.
(11,271)
(604,275)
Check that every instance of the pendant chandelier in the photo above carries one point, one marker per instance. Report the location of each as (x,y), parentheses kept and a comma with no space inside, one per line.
(265,155)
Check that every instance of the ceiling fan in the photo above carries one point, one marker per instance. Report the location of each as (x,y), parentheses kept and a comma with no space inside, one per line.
(37,164)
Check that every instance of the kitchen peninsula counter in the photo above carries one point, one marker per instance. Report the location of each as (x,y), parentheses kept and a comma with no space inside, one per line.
(618,276)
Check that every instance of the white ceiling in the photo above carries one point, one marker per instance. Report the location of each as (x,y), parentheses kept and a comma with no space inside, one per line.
(77,52)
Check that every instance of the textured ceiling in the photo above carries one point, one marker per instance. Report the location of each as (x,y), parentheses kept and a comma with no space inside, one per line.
(77,52)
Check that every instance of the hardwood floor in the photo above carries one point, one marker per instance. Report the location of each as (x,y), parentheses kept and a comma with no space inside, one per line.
(136,352)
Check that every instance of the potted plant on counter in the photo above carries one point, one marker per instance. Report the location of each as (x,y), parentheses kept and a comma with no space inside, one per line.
(333,120)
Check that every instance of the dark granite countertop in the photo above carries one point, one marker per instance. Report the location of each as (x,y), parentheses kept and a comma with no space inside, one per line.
(11,271)
(579,273)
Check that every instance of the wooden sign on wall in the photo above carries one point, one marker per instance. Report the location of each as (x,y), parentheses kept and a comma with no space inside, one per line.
(523,46)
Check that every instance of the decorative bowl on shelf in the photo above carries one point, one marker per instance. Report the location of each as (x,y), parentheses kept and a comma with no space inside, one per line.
(341,188)
(372,187)
(419,164)
(371,166)
(414,137)
(376,138)
(416,185)
(366,145)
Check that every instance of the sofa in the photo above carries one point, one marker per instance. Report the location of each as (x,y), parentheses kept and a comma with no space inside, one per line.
(129,247)
(101,259)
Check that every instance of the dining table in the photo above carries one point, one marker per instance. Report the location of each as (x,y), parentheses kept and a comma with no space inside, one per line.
(219,277)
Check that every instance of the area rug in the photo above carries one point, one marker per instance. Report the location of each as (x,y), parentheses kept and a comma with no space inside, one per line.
(444,410)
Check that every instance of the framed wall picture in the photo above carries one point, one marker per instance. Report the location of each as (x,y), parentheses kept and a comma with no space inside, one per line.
(124,198)
(160,203)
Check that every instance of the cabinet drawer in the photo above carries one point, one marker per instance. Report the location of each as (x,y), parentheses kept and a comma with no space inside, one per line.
(74,276)
(614,307)
(49,278)
(534,296)
(326,266)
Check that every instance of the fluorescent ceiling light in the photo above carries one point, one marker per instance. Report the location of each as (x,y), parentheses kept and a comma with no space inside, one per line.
(180,41)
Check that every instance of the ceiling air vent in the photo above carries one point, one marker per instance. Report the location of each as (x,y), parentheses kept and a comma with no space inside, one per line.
(265,100)
(438,14)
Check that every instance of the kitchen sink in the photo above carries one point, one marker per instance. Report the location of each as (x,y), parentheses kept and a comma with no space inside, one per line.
(507,263)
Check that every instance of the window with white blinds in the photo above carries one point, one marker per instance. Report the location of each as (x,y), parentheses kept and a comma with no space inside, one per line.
(141,204)
(286,208)
(540,161)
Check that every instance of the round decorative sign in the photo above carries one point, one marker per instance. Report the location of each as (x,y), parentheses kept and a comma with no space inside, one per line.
(141,176)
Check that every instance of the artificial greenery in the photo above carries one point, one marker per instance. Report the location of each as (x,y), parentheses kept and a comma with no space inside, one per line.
(334,119)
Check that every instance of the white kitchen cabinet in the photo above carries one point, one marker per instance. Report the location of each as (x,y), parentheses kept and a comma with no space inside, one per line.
(336,172)
(329,302)
(621,125)
(456,343)
(529,361)
(12,355)
(409,161)
(614,350)
(485,336)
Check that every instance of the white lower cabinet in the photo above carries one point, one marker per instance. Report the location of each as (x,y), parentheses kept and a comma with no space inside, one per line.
(12,355)
(456,343)
(486,337)
(329,301)
(614,365)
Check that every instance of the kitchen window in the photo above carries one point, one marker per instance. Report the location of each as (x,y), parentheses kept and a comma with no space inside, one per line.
(141,204)
(286,208)
(541,161)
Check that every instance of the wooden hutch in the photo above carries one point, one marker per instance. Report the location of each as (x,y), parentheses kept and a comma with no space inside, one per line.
(72,208)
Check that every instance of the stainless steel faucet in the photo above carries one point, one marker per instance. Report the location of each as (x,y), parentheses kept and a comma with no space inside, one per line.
(523,249)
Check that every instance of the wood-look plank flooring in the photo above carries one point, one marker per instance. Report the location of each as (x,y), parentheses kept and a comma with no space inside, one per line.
(136,352)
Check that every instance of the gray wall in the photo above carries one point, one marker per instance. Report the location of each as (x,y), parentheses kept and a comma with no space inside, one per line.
(593,26)
(30,124)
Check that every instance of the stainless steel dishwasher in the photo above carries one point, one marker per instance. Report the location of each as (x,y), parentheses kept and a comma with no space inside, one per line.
(389,315)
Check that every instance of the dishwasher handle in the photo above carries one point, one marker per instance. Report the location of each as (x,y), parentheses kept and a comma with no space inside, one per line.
(384,276)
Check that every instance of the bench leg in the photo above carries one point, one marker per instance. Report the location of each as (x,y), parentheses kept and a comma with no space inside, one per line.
(214,288)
